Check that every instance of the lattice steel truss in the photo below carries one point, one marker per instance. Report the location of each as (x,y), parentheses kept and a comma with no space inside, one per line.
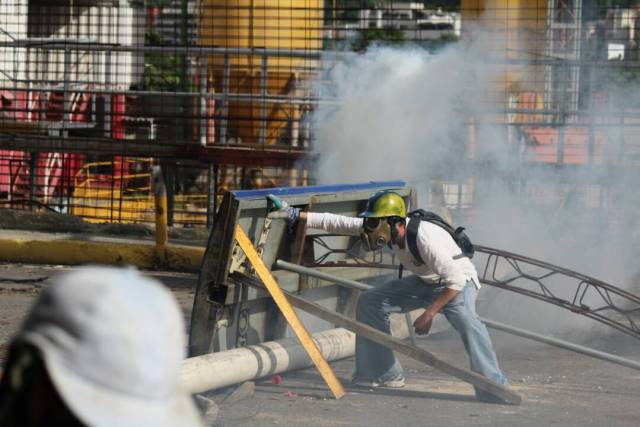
(576,292)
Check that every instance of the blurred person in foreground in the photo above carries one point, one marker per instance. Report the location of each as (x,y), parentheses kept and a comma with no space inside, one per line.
(101,347)
(444,280)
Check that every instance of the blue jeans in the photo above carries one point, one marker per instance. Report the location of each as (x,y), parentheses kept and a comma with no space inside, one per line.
(376,362)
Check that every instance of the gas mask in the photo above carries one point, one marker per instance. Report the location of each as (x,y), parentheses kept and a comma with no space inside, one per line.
(377,233)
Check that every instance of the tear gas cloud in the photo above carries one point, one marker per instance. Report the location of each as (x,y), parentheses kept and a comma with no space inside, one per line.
(403,114)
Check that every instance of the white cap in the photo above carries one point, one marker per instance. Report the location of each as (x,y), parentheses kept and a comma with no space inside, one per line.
(113,342)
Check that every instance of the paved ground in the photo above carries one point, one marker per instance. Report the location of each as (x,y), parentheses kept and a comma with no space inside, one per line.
(20,284)
(560,388)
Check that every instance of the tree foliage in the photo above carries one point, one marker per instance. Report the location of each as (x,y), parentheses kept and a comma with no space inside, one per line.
(377,36)
(161,71)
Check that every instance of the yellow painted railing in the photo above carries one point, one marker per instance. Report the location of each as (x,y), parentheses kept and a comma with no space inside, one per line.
(127,198)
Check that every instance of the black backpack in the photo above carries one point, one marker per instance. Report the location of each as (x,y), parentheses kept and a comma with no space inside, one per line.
(458,234)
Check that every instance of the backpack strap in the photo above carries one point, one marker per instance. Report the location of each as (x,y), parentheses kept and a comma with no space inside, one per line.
(412,239)
(457,234)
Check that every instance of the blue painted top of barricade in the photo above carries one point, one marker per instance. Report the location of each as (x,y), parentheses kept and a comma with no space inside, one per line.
(317,189)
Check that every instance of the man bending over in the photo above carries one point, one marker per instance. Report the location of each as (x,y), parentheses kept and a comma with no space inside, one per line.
(443,280)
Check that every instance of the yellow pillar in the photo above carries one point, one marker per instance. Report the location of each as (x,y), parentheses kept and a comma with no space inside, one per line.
(160,196)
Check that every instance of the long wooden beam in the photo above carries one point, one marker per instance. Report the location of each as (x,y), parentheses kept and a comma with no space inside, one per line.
(289,313)
(424,356)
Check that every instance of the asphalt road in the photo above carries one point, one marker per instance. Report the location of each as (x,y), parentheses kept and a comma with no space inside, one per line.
(559,388)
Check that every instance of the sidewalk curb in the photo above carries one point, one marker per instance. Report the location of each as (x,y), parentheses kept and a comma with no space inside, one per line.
(76,252)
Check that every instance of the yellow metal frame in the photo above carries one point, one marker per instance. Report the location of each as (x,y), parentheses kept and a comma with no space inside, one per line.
(127,204)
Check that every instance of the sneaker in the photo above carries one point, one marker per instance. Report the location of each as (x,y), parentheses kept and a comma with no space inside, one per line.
(397,382)
(489,398)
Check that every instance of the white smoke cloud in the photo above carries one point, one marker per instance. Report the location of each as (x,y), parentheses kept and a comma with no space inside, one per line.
(403,114)
(397,113)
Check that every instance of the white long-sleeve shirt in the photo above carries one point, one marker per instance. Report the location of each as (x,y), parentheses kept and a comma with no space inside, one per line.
(440,253)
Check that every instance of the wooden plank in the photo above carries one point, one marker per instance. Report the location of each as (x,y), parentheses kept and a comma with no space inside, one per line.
(498,390)
(289,313)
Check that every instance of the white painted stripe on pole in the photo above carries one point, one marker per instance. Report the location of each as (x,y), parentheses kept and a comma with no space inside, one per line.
(225,368)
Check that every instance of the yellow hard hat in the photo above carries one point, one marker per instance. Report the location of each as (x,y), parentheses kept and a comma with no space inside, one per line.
(383,204)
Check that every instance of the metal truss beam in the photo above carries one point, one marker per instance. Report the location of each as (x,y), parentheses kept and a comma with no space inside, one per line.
(587,296)
(241,155)
(91,46)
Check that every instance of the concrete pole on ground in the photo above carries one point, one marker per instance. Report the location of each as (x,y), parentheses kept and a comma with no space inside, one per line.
(222,369)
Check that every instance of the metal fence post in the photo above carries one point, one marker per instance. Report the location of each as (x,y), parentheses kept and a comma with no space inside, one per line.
(224,111)
(107,97)
(66,109)
(263,100)
(204,113)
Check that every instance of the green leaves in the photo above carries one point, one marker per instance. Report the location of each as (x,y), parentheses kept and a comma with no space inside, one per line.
(161,71)
(383,37)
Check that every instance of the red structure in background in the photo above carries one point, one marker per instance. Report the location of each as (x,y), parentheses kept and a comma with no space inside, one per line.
(576,144)
(543,145)
(53,173)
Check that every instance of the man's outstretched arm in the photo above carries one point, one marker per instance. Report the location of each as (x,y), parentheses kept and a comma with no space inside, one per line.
(331,223)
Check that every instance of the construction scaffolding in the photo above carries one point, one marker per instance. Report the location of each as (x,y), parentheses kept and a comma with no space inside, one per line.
(222,94)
